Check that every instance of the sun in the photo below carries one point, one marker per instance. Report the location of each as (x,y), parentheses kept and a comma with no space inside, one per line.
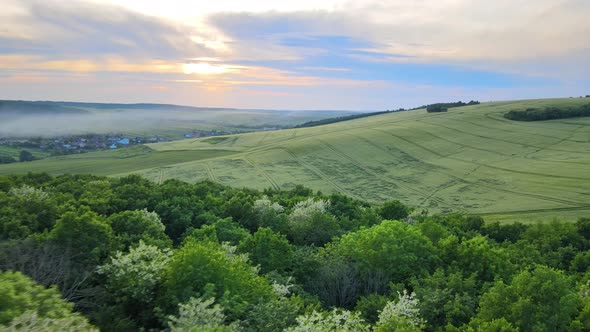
(203,68)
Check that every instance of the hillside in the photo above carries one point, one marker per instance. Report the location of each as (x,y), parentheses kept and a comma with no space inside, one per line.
(469,158)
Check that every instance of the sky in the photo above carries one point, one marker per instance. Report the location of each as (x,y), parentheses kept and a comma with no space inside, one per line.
(304,54)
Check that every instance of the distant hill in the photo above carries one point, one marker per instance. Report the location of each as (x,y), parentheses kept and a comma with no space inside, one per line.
(67,106)
(470,158)
(18,107)
(24,119)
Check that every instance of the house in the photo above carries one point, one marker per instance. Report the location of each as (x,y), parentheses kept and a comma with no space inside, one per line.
(124,141)
(113,146)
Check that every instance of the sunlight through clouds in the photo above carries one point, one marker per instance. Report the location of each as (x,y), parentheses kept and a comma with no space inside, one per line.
(203,68)
(383,49)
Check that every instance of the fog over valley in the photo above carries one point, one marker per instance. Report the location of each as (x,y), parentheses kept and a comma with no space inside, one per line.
(32,119)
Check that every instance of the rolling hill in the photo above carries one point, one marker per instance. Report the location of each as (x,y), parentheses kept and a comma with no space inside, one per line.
(467,159)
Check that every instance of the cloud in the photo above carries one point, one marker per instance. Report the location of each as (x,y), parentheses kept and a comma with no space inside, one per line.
(339,54)
(464,33)
(74,29)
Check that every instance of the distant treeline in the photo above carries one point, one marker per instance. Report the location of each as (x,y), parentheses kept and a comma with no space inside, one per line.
(548,113)
(438,107)
(343,118)
(443,107)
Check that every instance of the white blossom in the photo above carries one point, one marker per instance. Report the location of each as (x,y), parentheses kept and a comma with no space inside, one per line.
(29,193)
(198,315)
(336,320)
(136,274)
(405,307)
(305,209)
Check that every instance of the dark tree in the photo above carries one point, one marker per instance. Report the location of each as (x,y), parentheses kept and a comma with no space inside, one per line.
(434,108)
(394,210)
(25,156)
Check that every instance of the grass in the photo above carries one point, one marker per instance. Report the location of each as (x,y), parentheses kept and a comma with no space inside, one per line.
(469,159)
(111,162)
(14,152)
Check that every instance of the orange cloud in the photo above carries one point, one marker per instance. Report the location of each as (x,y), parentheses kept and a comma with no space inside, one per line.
(109,64)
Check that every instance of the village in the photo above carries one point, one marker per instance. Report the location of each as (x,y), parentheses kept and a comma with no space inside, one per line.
(72,144)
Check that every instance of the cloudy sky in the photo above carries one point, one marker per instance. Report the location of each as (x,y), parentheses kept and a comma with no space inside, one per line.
(297,54)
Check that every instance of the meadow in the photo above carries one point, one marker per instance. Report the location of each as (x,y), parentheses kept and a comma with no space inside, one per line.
(467,159)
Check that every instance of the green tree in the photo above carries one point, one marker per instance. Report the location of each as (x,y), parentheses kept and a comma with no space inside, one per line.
(222,230)
(447,298)
(389,252)
(271,251)
(543,299)
(310,224)
(479,256)
(207,269)
(394,210)
(19,296)
(31,321)
(98,195)
(26,210)
(132,226)
(85,233)
(275,315)
(370,306)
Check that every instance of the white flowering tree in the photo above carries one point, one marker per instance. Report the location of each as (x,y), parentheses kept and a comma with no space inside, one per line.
(336,321)
(310,223)
(401,315)
(199,315)
(269,214)
(134,276)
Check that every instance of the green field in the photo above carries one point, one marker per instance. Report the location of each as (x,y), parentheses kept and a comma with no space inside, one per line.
(14,152)
(467,159)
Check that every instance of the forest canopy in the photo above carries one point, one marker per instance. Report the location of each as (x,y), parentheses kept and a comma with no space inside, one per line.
(123,254)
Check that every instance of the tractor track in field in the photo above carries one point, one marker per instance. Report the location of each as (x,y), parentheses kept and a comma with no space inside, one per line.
(579,208)
(161,175)
(505,140)
(273,145)
(443,186)
(263,138)
(431,169)
(495,151)
(484,164)
(383,178)
(321,175)
(509,131)
(262,172)
(212,176)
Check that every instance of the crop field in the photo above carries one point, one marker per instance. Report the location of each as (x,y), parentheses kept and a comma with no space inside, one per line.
(467,159)
(15,151)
